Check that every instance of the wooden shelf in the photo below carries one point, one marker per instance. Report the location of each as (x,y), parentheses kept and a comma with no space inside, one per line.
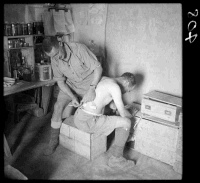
(12,37)
(38,35)
(38,44)
(20,48)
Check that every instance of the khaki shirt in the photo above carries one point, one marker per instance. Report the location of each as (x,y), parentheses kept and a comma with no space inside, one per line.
(77,68)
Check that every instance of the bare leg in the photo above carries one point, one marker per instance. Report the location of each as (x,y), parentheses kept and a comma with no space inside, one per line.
(115,152)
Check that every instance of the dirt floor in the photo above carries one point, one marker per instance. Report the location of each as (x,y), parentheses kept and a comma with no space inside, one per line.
(29,137)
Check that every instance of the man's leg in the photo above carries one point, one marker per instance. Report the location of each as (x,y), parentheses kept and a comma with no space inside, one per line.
(122,129)
(115,152)
(68,111)
(56,122)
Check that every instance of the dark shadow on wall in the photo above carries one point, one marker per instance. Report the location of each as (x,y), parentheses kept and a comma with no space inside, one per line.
(138,90)
(106,65)
(139,76)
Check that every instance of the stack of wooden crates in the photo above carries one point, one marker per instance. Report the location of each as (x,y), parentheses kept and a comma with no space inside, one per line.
(158,133)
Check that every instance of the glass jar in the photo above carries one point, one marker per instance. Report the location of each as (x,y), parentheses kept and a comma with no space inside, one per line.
(30,28)
(21,42)
(34,27)
(14,29)
(17,43)
(7,29)
(27,74)
(41,28)
(24,29)
(10,44)
(19,28)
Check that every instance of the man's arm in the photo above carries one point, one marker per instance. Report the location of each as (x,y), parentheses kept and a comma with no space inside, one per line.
(65,88)
(90,95)
(97,76)
(116,94)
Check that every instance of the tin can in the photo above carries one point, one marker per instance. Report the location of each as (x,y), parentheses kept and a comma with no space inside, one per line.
(30,28)
(43,72)
(14,29)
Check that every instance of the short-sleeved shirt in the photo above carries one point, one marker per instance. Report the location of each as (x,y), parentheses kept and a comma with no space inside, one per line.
(77,68)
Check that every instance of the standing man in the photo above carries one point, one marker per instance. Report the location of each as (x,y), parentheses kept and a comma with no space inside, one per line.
(77,72)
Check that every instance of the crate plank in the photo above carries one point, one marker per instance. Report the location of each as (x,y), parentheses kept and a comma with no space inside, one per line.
(156,140)
(75,133)
(164,97)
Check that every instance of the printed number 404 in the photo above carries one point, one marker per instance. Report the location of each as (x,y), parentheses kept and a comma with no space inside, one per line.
(192,23)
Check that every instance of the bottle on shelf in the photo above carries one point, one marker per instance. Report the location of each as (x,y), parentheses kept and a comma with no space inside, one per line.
(26,71)
(14,29)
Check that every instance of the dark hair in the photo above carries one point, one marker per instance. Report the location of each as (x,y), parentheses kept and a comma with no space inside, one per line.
(130,78)
(49,42)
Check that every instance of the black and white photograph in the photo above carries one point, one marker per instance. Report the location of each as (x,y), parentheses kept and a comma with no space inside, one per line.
(93,91)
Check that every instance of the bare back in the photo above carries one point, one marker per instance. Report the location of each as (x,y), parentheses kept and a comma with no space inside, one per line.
(103,96)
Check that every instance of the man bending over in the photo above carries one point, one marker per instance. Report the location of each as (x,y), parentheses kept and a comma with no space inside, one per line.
(89,117)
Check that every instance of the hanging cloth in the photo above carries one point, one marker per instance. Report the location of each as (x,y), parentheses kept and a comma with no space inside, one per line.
(63,22)
(48,23)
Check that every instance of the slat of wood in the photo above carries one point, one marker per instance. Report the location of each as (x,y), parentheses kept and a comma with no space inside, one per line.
(7,148)
(46,96)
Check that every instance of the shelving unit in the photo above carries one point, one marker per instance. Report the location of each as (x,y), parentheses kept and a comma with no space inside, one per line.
(27,51)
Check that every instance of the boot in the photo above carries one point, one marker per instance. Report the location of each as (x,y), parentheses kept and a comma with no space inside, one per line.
(53,143)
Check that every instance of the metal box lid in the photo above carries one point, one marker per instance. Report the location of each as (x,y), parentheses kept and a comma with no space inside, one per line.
(164,97)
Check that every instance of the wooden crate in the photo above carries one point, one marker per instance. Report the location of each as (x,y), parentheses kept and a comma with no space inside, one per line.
(157,140)
(80,142)
(161,105)
(179,150)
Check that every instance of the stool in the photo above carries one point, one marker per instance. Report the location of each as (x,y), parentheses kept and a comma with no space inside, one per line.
(85,144)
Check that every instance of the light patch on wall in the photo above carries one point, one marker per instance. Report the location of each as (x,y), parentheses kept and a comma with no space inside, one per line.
(83,17)
(152,27)
(96,14)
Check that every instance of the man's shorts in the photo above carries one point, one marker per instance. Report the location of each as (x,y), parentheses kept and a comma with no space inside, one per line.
(65,97)
(99,125)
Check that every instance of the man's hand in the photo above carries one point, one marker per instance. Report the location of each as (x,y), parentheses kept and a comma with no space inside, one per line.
(89,96)
(127,114)
(75,102)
